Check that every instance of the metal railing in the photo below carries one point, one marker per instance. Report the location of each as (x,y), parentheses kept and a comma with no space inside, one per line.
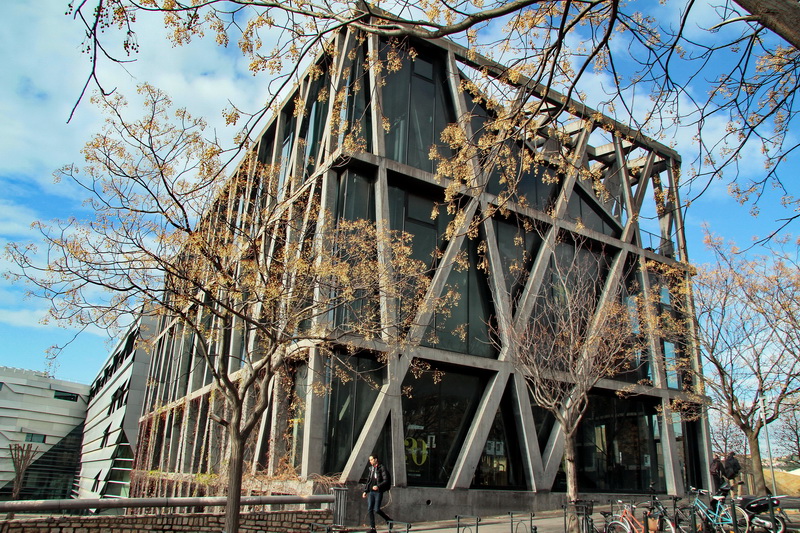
(336,501)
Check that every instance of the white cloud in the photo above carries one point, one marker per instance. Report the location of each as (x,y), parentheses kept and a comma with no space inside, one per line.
(23,318)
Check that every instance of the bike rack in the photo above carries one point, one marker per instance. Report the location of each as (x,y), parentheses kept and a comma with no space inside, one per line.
(582,510)
(519,521)
(467,526)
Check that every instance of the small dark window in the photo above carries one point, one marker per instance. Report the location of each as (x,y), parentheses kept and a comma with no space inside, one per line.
(423,68)
(106,433)
(63,395)
(34,437)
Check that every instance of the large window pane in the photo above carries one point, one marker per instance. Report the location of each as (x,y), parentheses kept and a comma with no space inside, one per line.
(418,106)
(287,141)
(467,327)
(354,389)
(671,364)
(500,465)
(396,109)
(314,123)
(437,416)
(355,119)
(421,132)
(619,447)
(411,213)
(518,249)
(356,202)
(356,197)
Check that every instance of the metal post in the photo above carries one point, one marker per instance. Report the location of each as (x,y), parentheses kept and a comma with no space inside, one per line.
(769,448)
(339,505)
(772,513)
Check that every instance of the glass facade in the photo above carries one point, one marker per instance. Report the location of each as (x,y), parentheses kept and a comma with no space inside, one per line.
(500,466)
(468,325)
(419,215)
(313,125)
(284,160)
(418,106)
(619,447)
(437,415)
(51,475)
(620,441)
(354,387)
(518,249)
(584,210)
(537,187)
(355,119)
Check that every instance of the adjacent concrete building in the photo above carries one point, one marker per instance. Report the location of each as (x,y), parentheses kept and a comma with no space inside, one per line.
(49,414)
(469,442)
(112,419)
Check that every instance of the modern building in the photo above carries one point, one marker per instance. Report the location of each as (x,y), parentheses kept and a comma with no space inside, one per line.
(469,441)
(112,419)
(48,414)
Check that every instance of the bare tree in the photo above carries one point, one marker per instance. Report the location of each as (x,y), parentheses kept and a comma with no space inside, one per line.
(725,435)
(584,328)
(747,312)
(739,57)
(787,433)
(22,456)
(250,267)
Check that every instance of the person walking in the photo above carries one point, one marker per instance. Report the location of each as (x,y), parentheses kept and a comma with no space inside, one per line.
(731,469)
(378,482)
(716,472)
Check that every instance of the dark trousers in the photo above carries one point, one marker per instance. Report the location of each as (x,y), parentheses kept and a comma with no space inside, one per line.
(717,481)
(374,500)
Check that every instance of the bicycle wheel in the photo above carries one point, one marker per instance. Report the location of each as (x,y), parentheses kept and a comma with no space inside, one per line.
(615,526)
(683,520)
(742,521)
(659,524)
(665,525)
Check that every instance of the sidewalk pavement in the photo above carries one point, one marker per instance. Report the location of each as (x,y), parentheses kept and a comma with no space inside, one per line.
(544,522)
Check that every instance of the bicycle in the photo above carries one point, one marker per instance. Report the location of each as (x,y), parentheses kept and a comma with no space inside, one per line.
(655,515)
(715,517)
(655,520)
(581,510)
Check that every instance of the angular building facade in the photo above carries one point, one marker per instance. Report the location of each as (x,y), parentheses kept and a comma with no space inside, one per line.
(112,420)
(469,440)
(48,414)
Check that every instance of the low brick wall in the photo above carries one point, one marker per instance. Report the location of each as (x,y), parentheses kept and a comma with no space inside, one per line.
(269,522)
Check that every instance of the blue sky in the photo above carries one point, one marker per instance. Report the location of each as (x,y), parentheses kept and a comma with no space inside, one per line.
(43,71)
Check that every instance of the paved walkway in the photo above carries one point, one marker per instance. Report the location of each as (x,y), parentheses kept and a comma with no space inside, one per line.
(545,522)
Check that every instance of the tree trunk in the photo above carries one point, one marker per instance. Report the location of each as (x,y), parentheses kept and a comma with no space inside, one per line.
(571,471)
(235,467)
(760,487)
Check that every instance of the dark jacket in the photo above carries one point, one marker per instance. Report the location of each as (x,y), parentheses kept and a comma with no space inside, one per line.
(716,467)
(378,475)
(731,467)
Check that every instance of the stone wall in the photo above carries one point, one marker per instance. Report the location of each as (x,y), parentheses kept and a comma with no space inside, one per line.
(273,522)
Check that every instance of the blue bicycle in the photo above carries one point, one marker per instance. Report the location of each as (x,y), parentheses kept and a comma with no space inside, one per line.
(715,517)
